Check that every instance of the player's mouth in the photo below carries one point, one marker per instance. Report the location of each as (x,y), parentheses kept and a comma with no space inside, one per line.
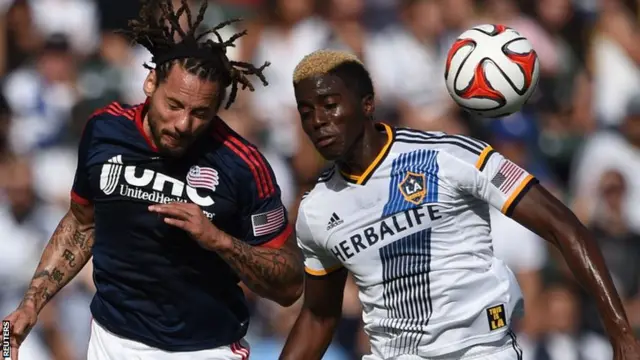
(171,140)
(324,141)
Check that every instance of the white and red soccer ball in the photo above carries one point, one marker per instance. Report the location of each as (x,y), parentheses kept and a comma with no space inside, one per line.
(491,70)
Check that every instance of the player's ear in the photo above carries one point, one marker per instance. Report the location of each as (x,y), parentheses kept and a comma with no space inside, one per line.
(368,105)
(150,83)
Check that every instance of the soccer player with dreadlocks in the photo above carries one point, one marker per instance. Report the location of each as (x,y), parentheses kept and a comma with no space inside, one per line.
(175,208)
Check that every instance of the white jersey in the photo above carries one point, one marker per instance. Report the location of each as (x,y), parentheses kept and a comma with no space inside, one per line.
(414,230)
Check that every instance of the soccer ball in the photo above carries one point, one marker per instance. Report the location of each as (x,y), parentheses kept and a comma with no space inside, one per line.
(491,70)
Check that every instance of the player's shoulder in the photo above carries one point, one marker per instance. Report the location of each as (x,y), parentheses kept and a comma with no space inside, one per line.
(461,147)
(319,191)
(115,111)
(242,157)
(111,119)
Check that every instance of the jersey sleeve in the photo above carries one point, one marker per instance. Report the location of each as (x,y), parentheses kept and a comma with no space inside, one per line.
(494,179)
(81,189)
(265,219)
(317,260)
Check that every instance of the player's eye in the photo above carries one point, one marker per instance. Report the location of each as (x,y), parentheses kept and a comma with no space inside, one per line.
(200,115)
(331,106)
(173,106)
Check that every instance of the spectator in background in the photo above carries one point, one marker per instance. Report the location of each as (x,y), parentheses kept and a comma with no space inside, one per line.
(22,37)
(42,96)
(564,340)
(285,31)
(77,20)
(610,150)
(347,31)
(614,60)
(405,59)
(620,245)
(25,226)
(458,16)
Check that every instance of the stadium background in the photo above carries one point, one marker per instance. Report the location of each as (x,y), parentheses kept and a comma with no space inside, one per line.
(580,134)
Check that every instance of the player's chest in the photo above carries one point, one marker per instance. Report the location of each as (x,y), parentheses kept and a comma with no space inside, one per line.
(364,222)
(150,179)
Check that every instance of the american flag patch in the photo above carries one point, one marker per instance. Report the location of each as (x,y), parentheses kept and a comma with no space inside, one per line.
(267,222)
(507,176)
(202,177)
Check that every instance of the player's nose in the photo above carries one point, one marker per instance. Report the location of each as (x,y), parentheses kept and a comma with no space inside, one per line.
(319,120)
(182,126)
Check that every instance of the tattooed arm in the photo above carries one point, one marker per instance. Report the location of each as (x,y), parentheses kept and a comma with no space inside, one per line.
(274,270)
(65,255)
(274,273)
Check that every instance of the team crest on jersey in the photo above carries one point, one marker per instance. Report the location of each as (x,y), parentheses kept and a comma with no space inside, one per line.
(203,177)
(413,187)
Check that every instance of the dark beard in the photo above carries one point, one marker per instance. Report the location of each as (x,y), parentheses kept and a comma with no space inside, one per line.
(156,136)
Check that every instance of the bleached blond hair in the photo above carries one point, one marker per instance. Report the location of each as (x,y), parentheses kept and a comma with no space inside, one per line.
(321,62)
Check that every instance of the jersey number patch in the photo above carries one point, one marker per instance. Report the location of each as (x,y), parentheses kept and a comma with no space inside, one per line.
(413,187)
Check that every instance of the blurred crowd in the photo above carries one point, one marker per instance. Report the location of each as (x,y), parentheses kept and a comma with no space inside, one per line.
(579,134)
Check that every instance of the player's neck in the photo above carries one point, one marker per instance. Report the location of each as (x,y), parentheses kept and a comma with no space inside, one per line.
(364,151)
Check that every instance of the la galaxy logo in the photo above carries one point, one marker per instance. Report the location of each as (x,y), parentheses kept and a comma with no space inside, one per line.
(413,187)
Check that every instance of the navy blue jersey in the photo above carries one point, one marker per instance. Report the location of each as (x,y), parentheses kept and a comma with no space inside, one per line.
(154,283)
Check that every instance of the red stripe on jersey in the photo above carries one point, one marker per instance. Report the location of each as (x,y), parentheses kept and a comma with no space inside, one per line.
(79,199)
(240,350)
(138,119)
(111,109)
(263,166)
(278,241)
(226,142)
(252,157)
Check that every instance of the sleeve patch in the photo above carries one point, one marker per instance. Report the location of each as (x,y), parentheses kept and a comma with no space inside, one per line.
(268,222)
(507,176)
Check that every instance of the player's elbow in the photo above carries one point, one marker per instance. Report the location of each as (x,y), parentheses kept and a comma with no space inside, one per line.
(291,294)
(568,233)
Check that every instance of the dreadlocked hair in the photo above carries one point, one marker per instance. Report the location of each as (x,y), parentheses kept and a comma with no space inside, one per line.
(158,33)
(342,64)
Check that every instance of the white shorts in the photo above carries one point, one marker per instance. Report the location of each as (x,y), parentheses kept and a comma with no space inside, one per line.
(104,345)
(505,349)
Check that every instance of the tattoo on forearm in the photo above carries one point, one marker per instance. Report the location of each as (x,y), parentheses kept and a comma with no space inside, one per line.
(265,270)
(70,246)
(68,255)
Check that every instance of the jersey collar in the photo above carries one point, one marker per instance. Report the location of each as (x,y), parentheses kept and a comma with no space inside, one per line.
(366,175)
(140,111)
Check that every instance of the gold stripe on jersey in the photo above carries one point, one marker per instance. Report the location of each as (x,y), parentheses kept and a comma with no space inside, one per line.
(507,207)
(484,157)
(323,271)
(362,179)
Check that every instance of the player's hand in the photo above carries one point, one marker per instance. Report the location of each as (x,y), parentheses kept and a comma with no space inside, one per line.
(22,321)
(626,349)
(189,217)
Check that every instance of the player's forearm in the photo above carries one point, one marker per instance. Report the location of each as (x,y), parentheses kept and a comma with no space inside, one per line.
(67,252)
(585,260)
(310,337)
(276,274)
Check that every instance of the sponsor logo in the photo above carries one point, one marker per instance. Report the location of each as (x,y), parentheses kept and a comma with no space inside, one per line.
(334,221)
(149,185)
